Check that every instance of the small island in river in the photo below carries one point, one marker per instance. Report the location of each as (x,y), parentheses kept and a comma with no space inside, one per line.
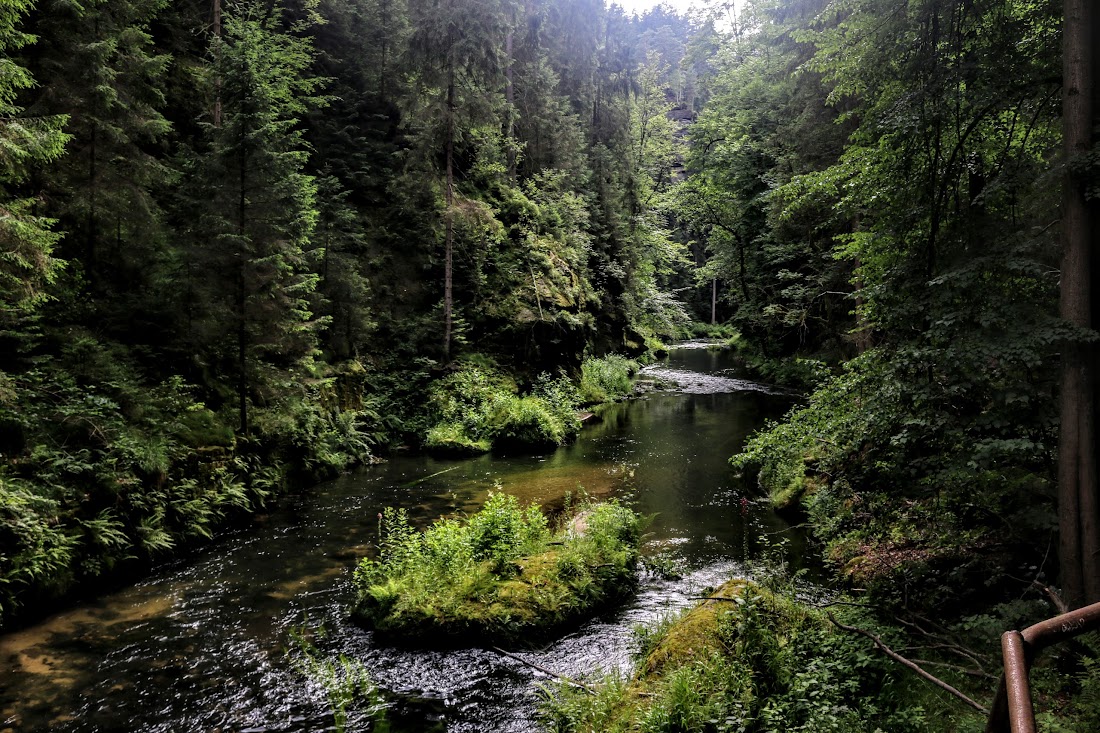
(501,576)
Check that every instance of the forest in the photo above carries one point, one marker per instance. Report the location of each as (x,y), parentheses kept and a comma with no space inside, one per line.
(248,245)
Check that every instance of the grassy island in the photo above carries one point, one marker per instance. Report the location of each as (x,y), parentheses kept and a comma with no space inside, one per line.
(501,576)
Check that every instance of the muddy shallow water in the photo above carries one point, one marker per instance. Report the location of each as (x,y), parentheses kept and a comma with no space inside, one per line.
(203,644)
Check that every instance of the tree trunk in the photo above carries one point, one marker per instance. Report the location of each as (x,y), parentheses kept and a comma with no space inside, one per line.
(1078,490)
(217,30)
(713,301)
(242,297)
(448,293)
(510,95)
(385,50)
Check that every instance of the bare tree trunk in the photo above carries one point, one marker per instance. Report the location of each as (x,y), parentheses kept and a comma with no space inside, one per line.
(218,80)
(713,301)
(385,50)
(510,95)
(448,293)
(242,296)
(1078,490)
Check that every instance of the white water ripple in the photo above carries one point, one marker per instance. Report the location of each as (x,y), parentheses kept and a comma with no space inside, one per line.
(689,382)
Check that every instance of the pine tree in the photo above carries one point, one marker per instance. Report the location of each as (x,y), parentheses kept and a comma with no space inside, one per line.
(27,239)
(255,207)
(458,47)
(97,65)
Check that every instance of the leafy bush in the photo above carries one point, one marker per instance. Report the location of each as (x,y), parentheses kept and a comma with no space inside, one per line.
(477,408)
(607,379)
(723,331)
(502,574)
(763,663)
(909,481)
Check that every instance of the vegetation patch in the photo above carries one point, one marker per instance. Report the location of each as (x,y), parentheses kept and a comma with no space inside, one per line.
(100,471)
(500,576)
(355,700)
(477,408)
(607,379)
(753,661)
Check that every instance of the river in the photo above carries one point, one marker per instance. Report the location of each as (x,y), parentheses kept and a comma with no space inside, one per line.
(207,642)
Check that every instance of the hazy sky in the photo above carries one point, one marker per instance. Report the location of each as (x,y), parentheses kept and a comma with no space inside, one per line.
(638,7)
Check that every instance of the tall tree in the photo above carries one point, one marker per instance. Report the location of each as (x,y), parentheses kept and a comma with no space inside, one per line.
(253,205)
(457,46)
(98,66)
(27,239)
(1078,484)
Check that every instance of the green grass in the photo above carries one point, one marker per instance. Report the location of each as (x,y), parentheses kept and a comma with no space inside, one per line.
(502,575)
(607,379)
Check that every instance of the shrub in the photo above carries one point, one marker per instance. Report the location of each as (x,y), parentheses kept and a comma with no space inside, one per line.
(477,408)
(761,663)
(501,575)
(607,379)
(909,484)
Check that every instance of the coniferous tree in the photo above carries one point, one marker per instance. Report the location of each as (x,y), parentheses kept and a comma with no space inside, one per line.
(255,207)
(457,48)
(97,65)
(27,239)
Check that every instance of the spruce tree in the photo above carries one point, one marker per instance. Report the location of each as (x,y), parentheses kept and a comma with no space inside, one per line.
(27,239)
(254,206)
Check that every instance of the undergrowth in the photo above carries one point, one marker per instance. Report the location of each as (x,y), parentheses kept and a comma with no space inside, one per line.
(502,574)
(758,663)
(100,470)
(917,499)
(477,407)
(606,379)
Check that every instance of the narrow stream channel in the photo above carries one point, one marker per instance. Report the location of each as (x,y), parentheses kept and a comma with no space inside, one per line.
(202,645)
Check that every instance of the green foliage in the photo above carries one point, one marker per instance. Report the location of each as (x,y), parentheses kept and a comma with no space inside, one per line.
(27,239)
(351,693)
(606,379)
(762,663)
(905,476)
(477,407)
(500,575)
(108,470)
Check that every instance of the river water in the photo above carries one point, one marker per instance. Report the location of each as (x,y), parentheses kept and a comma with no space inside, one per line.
(208,642)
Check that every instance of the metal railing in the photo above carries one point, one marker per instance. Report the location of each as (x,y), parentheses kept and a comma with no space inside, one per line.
(1012,711)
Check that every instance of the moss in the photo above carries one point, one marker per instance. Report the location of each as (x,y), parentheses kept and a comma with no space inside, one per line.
(501,576)
(695,635)
(757,662)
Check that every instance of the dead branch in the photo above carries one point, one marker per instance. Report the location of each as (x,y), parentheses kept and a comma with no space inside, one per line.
(963,670)
(1053,596)
(544,670)
(907,663)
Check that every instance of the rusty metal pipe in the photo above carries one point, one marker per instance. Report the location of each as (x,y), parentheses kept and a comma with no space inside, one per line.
(1021,716)
(1011,711)
(1063,627)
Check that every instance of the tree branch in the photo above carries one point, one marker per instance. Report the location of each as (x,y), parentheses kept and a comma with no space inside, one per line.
(544,670)
(907,663)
